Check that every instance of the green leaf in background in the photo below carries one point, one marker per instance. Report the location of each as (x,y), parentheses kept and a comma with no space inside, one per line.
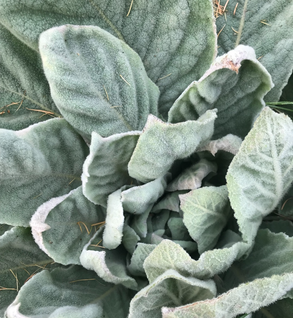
(178,230)
(97,81)
(170,201)
(139,223)
(71,292)
(105,169)
(24,90)
(287,93)
(268,29)
(137,260)
(166,34)
(31,173)
(262,171)
(278,226)
(271,255)
(149,160)
(280,309)
(129,239)
(21,258)
(64,225)
(246,298)
(235,84)
(159,220)
(4,228)
(138,199)
(169,289)
(205,214)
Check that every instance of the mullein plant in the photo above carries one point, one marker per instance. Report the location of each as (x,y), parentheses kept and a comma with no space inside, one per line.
(141,173)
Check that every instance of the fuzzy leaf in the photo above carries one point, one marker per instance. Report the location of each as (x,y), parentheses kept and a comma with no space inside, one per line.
(171,289)
(205,214)
(20,258)
(24,90)
(105,169)
(69,293)
(31,173)
(268,29)
(272,254)
(139,223)
(246,298)
(97,81)
(63,226)
(159,220)
(262,171)
(191,178)
(129,239)
(141,252)
(108,264)
(162,143)
(229,143)
(169,255)
(114,222)
(138,199)
(235,84)
(170,201)
(178,229)
(278,226)
(165,34)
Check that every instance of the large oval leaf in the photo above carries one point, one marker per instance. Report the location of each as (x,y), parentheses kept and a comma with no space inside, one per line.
(37,163)
(24,90)
(262,171)
(63,225)
(205,214)
(235,84)
(71,292)
(105,168)
(21,258)
(97,81)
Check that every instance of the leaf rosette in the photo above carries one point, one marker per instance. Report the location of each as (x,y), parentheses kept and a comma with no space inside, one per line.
(151,196)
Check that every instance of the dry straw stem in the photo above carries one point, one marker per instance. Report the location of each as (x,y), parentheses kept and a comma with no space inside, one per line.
(264,22)
(98,244)
(42,111)
(221,30)
(130,8)
(99,224)
(234,12)
(125,80)
(164,76)
(11,104)
(218,8)
(106,93)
